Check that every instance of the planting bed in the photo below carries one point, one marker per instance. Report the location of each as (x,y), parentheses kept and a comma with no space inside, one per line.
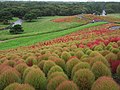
(84,60)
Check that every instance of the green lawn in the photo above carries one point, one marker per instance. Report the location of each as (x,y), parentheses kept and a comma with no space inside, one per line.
(24,41)
(13,20)
(115,15)
(44,24)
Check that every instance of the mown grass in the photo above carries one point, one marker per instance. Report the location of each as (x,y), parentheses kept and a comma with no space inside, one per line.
(43,24)
(115,15)
(24,41)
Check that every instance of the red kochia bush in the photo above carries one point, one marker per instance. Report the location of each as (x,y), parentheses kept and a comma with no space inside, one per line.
(105,83)
(67,85)
(114,65)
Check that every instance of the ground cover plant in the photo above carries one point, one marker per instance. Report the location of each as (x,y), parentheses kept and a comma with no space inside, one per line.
(86,58)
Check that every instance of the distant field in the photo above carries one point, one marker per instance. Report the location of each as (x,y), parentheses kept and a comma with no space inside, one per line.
(115,15)
(24,41)
(43,24)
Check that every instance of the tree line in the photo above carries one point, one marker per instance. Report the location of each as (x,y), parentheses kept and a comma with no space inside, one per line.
(32,10)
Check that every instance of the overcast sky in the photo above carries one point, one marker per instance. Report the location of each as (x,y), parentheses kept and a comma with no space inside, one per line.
(69,0)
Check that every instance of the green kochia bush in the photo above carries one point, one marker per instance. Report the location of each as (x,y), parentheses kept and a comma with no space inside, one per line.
(8,77)
(81,65)
(21,68)
(101,59)
(99,69)
(70,64)
(37,79)
(17,86)
(65,56)
(105,83)
(55,82)
(31,61)
(67,85)
(55,68)
(79,54)
(55,74)
(111,57)
(118,70)
(84,78)
(47,66)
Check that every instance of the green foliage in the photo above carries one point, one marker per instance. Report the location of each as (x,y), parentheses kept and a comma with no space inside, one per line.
(99,69)
(17,86)
(70,64)
(5,15)
(101,59)
(84,78)
(37,79)
(105,83)
(67,85)
(21,68)
(8,77)
(16,29)
(79,54)
(55,69)
(65,56)
(55,74)
(111,57)
(30,16)
(55,82)
(31,60)
(118,70)
(94,53)
(41,64)
(47,66)
(81,65)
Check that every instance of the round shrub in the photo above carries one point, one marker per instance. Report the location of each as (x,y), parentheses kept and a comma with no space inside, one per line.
(55,68)
(65,56)
(101,59)
(79,54)
(99,69)
(59,62)
(21,68)
(47,66)
(104,52)
(24,87)
(55,74)
(8,77)
(41,64)
(111,57)
(94,53)
(81,65)
(55,82)
(31,60)
(17,86)
(70,64)
(118,55)
(37,79)
(12,86)
(84,78)
(67,85)
(105,83)
(118,70)
(115,50)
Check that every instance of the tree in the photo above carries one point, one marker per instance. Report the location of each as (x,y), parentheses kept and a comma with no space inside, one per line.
(5,16)
(17,29)
(30,16)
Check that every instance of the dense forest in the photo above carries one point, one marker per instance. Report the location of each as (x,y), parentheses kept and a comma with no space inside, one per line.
(38,9)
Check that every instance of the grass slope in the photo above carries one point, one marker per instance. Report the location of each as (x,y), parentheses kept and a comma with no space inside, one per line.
(24,41)
(43,24)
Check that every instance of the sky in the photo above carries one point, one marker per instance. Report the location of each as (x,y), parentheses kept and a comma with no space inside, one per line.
(70,0)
